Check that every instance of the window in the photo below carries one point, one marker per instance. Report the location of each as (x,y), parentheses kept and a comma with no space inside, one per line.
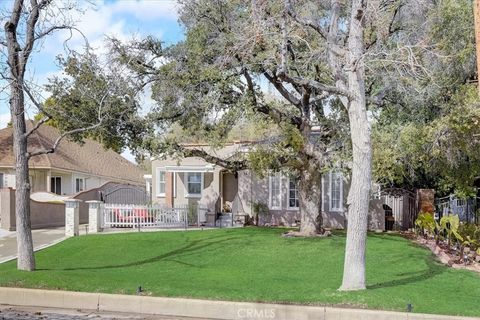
(336,191)
(293,193)
(56,185)
(194,181)
(2,183)
(79,184)
(275,192)
(161,183)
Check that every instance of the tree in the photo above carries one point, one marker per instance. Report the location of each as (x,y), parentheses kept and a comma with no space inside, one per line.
(421,139)
(206,86)
(26,27)
(316,55)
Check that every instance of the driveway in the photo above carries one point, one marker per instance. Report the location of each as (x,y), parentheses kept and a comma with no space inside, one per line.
(41,238)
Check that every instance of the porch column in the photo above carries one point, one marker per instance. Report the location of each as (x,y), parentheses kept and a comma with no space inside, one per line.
(169,176)
(49,177)
(94,216)
(72,208)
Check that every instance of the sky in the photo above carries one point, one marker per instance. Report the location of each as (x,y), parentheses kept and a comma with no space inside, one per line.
(122,19)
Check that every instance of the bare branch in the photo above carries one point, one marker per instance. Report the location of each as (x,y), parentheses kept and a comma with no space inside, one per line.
(60,138)
(31,24)
(232,165)
(305,22)
(37,125)
(273,113)
(282,90)
(300,81)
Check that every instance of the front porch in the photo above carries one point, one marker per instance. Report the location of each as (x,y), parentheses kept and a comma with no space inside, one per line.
(207,186)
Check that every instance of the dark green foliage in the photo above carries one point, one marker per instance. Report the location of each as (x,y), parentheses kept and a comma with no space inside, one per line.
(89,94)
(427,136)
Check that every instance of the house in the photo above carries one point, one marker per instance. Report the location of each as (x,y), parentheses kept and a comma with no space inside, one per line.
(71,169)
(194,181)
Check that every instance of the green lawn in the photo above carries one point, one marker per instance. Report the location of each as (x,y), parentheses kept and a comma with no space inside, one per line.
(251,265)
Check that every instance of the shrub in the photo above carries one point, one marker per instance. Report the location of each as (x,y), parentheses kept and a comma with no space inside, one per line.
(260,209)
(450,224)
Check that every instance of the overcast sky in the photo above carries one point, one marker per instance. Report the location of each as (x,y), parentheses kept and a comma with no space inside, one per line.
(119,18)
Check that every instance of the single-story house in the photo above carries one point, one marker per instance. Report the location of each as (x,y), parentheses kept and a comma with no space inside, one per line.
(71,169)
(194,181)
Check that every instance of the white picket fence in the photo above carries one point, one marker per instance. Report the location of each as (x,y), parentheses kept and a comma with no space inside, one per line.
(157,216)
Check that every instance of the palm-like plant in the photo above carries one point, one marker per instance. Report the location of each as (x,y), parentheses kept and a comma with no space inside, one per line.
(450,224)
(426,223)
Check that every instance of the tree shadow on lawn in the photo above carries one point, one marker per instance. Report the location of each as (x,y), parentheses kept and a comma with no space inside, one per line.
(434,268)
(190,248)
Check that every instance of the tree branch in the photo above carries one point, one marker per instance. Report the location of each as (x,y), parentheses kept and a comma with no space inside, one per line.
(31,23)
(305,22)
(59,139)
(231,165)
(282,90)
(274,114)
(313,84)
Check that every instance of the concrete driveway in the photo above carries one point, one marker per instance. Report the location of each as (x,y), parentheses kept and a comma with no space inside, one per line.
(41,238)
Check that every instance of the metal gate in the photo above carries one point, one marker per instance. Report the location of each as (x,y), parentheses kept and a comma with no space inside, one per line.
(125,194)
(466,209)
(400,207)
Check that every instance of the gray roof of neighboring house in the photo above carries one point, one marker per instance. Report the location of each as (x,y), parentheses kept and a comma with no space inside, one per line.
(89,158)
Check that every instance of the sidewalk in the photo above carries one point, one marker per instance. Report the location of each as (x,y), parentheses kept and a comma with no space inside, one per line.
(175,308)
(41,238)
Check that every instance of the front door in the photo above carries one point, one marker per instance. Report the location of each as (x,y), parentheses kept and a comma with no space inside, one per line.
(229,190)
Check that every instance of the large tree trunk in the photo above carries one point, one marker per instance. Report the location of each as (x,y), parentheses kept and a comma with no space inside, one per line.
(310,200)
(17,60)
(359,193)
(26,259)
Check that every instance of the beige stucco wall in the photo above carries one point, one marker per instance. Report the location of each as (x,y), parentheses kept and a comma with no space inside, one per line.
(211,185)
(286,215)
(255,189)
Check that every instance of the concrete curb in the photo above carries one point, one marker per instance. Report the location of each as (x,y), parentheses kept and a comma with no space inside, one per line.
(195,308)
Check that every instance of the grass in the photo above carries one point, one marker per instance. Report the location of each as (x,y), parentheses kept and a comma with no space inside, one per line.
(251,265)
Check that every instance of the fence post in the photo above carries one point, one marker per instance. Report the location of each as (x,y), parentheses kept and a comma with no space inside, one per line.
(72,208)
(198,216)
(94,216)
(185,217)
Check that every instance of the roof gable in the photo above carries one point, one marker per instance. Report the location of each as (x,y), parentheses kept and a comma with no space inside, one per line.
(89,158)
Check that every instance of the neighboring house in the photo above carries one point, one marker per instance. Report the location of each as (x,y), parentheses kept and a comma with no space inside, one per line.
(71,169)
(193,180)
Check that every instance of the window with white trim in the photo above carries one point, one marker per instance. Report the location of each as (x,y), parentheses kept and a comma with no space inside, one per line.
(293,202)
(194,184)
(275,192)
(336,191)
(2,180)
(161,183)
(79,184)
